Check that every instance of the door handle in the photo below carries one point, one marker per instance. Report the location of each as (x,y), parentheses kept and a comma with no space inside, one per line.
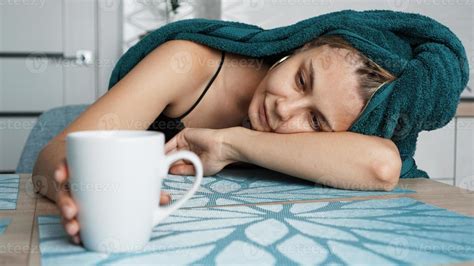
(82,57)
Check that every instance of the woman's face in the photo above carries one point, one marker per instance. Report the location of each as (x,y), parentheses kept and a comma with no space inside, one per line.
(294,102)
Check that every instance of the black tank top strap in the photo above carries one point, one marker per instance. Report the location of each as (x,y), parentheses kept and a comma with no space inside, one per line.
(207,87)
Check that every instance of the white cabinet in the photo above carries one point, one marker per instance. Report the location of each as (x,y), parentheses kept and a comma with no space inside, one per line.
(435,152)
(30,84)
(465,153)
(31,27)
(447,154)
(51,54)
(40,44)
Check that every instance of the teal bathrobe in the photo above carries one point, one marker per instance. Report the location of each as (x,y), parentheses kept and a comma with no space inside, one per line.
(427,58)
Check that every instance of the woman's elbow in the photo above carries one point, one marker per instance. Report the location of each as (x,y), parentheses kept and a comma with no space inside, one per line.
(388,167)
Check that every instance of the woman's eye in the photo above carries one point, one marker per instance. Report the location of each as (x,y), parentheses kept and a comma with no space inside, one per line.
(301,80)
(315,122)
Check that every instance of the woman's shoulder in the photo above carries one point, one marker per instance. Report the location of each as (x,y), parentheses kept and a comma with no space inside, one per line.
(206,54)
(188,61)
(191,58)
(194,52)
(190,64)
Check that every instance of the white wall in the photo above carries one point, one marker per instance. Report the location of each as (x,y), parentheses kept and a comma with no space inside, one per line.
(142,16)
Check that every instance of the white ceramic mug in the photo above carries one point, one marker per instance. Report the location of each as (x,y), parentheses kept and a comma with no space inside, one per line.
(115,179)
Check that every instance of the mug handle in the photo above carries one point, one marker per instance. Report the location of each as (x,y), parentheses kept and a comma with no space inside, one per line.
(162,212)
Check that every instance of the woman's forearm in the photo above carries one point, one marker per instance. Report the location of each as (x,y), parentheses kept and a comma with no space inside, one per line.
(339,159)
(43,171)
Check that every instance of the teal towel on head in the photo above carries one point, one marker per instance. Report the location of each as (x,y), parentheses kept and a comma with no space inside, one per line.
(428,59)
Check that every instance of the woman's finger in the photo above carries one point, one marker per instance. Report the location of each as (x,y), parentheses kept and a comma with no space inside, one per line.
(182,169)
(171,151)
(72,227)
(60,174)
(165,198)
(66,205)
(64,221)
(171,145)
(76,239)
(178,162)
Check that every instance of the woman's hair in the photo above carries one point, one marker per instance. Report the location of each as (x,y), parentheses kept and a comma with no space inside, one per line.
(370,75)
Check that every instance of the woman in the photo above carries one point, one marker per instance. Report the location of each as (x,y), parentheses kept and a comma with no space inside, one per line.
(322,87)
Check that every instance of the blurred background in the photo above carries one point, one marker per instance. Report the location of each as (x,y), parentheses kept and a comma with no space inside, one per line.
(61,52)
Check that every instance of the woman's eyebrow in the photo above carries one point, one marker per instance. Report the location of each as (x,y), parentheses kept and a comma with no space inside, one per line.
(311,75)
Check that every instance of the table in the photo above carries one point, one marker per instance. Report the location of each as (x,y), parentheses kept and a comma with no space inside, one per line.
(19,243)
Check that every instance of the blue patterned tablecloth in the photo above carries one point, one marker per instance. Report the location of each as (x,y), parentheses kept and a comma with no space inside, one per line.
(243,186)
(377,232)
(9,184)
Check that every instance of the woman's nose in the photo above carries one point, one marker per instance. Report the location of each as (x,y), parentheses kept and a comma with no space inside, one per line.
(285,108)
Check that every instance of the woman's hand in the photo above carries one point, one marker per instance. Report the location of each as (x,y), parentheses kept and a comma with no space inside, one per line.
(68,208)
(207,143)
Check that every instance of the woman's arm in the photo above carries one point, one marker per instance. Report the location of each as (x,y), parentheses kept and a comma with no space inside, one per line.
(133,103)
(339,159)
